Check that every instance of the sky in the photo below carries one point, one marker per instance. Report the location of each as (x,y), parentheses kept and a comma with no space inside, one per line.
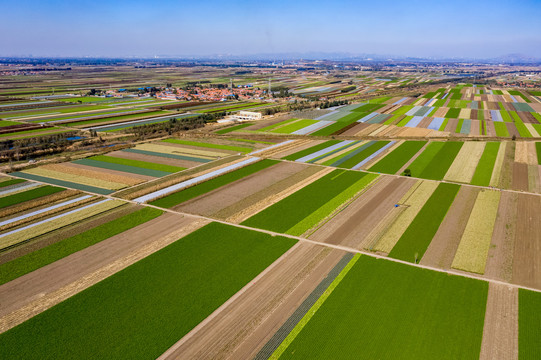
(119,28)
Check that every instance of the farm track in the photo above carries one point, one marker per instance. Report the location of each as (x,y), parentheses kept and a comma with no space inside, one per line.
(239,328)
(37,291)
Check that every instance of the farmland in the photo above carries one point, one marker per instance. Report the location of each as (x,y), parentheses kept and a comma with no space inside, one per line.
(251,238)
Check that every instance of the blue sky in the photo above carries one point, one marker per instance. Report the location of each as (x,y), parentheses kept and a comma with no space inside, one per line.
(180,28)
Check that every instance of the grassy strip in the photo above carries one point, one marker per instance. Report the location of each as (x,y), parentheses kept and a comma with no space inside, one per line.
(501,129)
(11,182)
(297,125)
(483,172)
(232,128)
(357,158)
(138,163)
(396,159)
(68,184)
(314,218)
(288,212)
(415,240)
(208,145)
(203,188)
(404,121)
(306,318)
(472,251)
(415,307)
(311,150)
(254,141)
(459,125)
(37,259)
(29,195)
(529,320)
(153,302)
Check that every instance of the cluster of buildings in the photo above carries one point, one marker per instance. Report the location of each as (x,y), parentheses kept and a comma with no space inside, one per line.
(244,92)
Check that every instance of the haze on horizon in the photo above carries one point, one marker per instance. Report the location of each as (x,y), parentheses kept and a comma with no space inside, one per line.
(470,29)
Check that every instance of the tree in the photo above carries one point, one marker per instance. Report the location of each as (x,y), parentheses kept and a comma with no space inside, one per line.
(407,172)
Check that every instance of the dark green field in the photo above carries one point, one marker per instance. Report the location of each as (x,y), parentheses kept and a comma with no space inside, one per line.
(412,314)
(286,213)
(28,195)
(395,160)
(415,240)
(141,311)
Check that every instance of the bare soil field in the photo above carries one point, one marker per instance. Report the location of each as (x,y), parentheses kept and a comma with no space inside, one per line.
(442,249)
(355,129)
(239,329)
(352,226)
(500,254)
(500,332)
(527,255)
(37,291)
(451,125)
(520,177)
(225,196)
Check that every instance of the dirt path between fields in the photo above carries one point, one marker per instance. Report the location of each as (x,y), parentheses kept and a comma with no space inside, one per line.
(442,248)
(38,291)
(352,226)
(239,328)
(500,332)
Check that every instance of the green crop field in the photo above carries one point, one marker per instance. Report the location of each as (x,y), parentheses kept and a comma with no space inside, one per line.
(484,169)
(28,195)
(208,145)
(402,110)
(404,317)
(311,150)
(203,188)
(11,182)
(434,162)
(357,157)
(505,116)
(232,128)
(453,113)
(133,166)
(538,150)
(47,255)
(119,118)
(141,311)
(369,107)
(501,129)
(415,240)
(529,324)
(290,211)
(395,160)
(273,126)
(299,124)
